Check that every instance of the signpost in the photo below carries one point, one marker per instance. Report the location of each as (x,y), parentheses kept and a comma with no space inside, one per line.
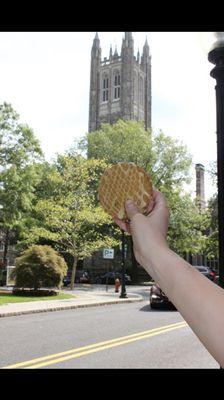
(108,254)
(123,255)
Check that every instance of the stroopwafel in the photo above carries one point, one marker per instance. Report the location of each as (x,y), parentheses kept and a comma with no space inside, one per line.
(122,181)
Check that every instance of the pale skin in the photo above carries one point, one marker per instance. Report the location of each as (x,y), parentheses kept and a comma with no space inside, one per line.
(199,300)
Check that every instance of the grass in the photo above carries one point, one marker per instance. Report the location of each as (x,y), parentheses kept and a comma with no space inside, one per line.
(6,298)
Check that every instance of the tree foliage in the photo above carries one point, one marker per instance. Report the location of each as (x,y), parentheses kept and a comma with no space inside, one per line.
(187,226)
(39,266)
(19,152)
(123,141)
(212,242)
(69,216)
(164,158)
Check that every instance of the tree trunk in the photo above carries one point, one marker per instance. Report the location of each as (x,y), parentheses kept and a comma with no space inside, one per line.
(6,245)
(73,272)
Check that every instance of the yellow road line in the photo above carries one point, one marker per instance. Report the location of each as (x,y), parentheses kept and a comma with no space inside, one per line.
(66,358)
(84,350)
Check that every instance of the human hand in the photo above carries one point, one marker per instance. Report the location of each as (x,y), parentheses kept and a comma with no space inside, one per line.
(148,231)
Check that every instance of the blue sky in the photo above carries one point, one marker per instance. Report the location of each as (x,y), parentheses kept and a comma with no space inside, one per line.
(45,76)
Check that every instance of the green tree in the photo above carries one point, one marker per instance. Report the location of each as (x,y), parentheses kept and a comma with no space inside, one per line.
(168,163)
(69,216)
(212,242)
(39,266)
(164,158)
(19,151)
(187,226)
(123,141)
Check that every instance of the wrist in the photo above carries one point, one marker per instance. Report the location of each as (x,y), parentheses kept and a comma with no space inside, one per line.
(158,251)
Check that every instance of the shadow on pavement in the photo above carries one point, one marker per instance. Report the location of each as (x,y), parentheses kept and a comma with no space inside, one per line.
(159,309)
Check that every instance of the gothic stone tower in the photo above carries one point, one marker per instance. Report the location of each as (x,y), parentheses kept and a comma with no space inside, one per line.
(120,86)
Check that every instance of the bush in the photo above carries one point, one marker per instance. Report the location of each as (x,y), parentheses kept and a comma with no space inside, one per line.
(39,266)
(32,292)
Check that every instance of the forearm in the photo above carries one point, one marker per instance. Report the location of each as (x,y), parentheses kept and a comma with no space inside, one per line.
(200,301)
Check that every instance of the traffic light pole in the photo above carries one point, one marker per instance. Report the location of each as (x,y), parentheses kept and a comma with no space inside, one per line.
(216,56)
(123,288)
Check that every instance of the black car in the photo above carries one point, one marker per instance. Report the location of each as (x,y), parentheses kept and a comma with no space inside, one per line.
(158,298)
(80,277)
(109,278)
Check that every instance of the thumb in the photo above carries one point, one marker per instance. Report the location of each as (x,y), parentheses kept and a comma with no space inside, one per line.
(131,209)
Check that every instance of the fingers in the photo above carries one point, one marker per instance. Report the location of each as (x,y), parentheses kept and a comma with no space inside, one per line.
(159,200)
(157,203)
(123,225)
(150,206)
(131,209)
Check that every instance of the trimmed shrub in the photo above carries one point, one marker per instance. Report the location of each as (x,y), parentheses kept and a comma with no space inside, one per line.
(39,266)
(32,292)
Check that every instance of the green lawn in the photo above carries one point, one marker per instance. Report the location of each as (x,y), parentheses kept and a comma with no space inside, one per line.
(11,298)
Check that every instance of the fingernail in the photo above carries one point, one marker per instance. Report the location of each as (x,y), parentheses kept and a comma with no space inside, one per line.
(129,202)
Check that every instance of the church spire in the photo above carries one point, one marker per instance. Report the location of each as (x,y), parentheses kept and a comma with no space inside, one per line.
(146,51)
(96,41)
(128,36)
(115,52)
(127,45)
(128,40)
(96,50)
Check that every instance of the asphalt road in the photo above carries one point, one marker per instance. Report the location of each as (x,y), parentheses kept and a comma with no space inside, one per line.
(114,336)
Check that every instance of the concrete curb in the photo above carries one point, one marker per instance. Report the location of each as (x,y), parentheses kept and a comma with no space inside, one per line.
(70,307)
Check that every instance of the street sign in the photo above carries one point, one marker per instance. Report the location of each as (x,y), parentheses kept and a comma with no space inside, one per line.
(108,253)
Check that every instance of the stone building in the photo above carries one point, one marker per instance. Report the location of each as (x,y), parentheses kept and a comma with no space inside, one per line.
(120,85)
(200,259)
(120,88)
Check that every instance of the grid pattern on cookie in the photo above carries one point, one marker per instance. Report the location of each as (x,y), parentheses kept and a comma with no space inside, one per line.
(124,181)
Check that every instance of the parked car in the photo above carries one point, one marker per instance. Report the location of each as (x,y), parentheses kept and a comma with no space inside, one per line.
(109,278)
(158,299)
(208,272)
(81,276)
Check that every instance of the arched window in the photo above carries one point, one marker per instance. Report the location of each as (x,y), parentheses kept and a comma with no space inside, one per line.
(105,91)
(117,85)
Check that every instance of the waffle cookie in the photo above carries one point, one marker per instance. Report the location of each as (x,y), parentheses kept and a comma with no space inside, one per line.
(122,181)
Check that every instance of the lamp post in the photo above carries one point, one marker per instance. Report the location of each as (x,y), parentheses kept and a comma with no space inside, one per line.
(216,56)
(123,288)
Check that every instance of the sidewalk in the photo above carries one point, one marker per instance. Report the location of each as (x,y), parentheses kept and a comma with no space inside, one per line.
(82,298)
